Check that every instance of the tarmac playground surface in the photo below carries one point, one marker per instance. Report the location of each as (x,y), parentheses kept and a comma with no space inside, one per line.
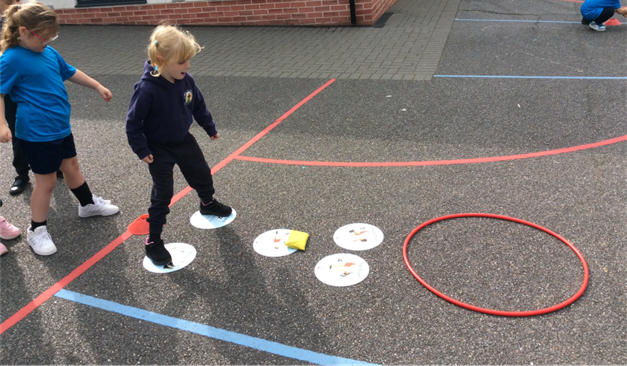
(523,117)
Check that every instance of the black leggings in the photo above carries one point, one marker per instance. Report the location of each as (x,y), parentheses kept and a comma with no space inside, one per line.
(606,14)
(19,158)
(191,161)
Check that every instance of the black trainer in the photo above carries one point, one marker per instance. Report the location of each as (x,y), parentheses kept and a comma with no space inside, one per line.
(19,185)
(157,253)
(215,208)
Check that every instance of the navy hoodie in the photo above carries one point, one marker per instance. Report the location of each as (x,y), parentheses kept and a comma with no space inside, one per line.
(162,112)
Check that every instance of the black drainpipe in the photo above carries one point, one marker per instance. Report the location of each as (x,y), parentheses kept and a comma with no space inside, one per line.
(353,15)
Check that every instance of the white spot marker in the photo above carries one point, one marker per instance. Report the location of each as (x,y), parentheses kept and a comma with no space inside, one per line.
(211,221)
(358,236)
(342,270)
(182,255)
(272,243)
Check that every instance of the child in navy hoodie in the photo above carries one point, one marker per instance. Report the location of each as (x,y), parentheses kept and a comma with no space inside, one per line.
(165,103)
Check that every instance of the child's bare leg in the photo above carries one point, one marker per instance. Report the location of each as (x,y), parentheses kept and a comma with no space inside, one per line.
(38,237)
(89,205)
(71,173)
(40,199)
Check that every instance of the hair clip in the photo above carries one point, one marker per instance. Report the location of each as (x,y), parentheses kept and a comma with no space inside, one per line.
(19,6)
(156,42)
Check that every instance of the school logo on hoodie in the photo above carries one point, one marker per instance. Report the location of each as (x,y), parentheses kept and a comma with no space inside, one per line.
(188,96)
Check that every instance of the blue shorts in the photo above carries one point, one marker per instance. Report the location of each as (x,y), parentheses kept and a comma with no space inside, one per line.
(46,157)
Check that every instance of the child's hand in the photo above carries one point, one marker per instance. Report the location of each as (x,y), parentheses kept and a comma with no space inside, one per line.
(5,134)
(148,159)
(622,11)
(214,137)
(105,93)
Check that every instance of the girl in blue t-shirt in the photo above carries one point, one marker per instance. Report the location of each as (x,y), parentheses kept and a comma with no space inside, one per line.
(33,74)
(10,109)
(597,12)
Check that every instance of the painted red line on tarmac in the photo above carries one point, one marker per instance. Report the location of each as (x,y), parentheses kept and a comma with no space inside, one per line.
(269,128)
(120,239)
(261,134)
(434,162)
(184,192)
(59,285)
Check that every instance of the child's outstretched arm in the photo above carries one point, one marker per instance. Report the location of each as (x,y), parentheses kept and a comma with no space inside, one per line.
(83,79)
(622,11)
(5,132)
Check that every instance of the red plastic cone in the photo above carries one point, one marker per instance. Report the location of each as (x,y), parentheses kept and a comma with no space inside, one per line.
(613,21)
(140,226)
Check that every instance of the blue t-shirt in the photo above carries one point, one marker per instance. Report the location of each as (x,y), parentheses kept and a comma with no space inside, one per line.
(35,82)
(591,9)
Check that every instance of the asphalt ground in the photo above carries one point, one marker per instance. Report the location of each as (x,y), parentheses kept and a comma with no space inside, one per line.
(389,318)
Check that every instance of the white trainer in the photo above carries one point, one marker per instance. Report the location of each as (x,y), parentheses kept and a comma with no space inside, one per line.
(597,27)
(40,241)
(100,207)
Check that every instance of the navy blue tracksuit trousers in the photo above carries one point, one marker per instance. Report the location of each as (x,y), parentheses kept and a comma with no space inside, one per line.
(190,159)
(19,158)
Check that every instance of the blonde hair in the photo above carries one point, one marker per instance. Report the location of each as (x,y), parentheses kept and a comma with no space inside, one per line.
(172,44)
(34,16)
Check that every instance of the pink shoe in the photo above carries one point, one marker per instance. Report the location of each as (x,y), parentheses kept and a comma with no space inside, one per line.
(3,249)
(8,231)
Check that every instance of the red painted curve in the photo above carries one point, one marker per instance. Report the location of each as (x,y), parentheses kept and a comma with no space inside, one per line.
(435,162)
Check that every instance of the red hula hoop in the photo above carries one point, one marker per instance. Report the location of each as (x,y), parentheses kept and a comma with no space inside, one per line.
(491,311)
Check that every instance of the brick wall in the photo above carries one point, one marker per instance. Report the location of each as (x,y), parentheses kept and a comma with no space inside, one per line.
(232,12)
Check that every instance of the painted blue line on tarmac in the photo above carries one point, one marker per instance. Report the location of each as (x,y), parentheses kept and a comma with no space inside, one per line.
(517,21)
(205,330)
(533,77)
